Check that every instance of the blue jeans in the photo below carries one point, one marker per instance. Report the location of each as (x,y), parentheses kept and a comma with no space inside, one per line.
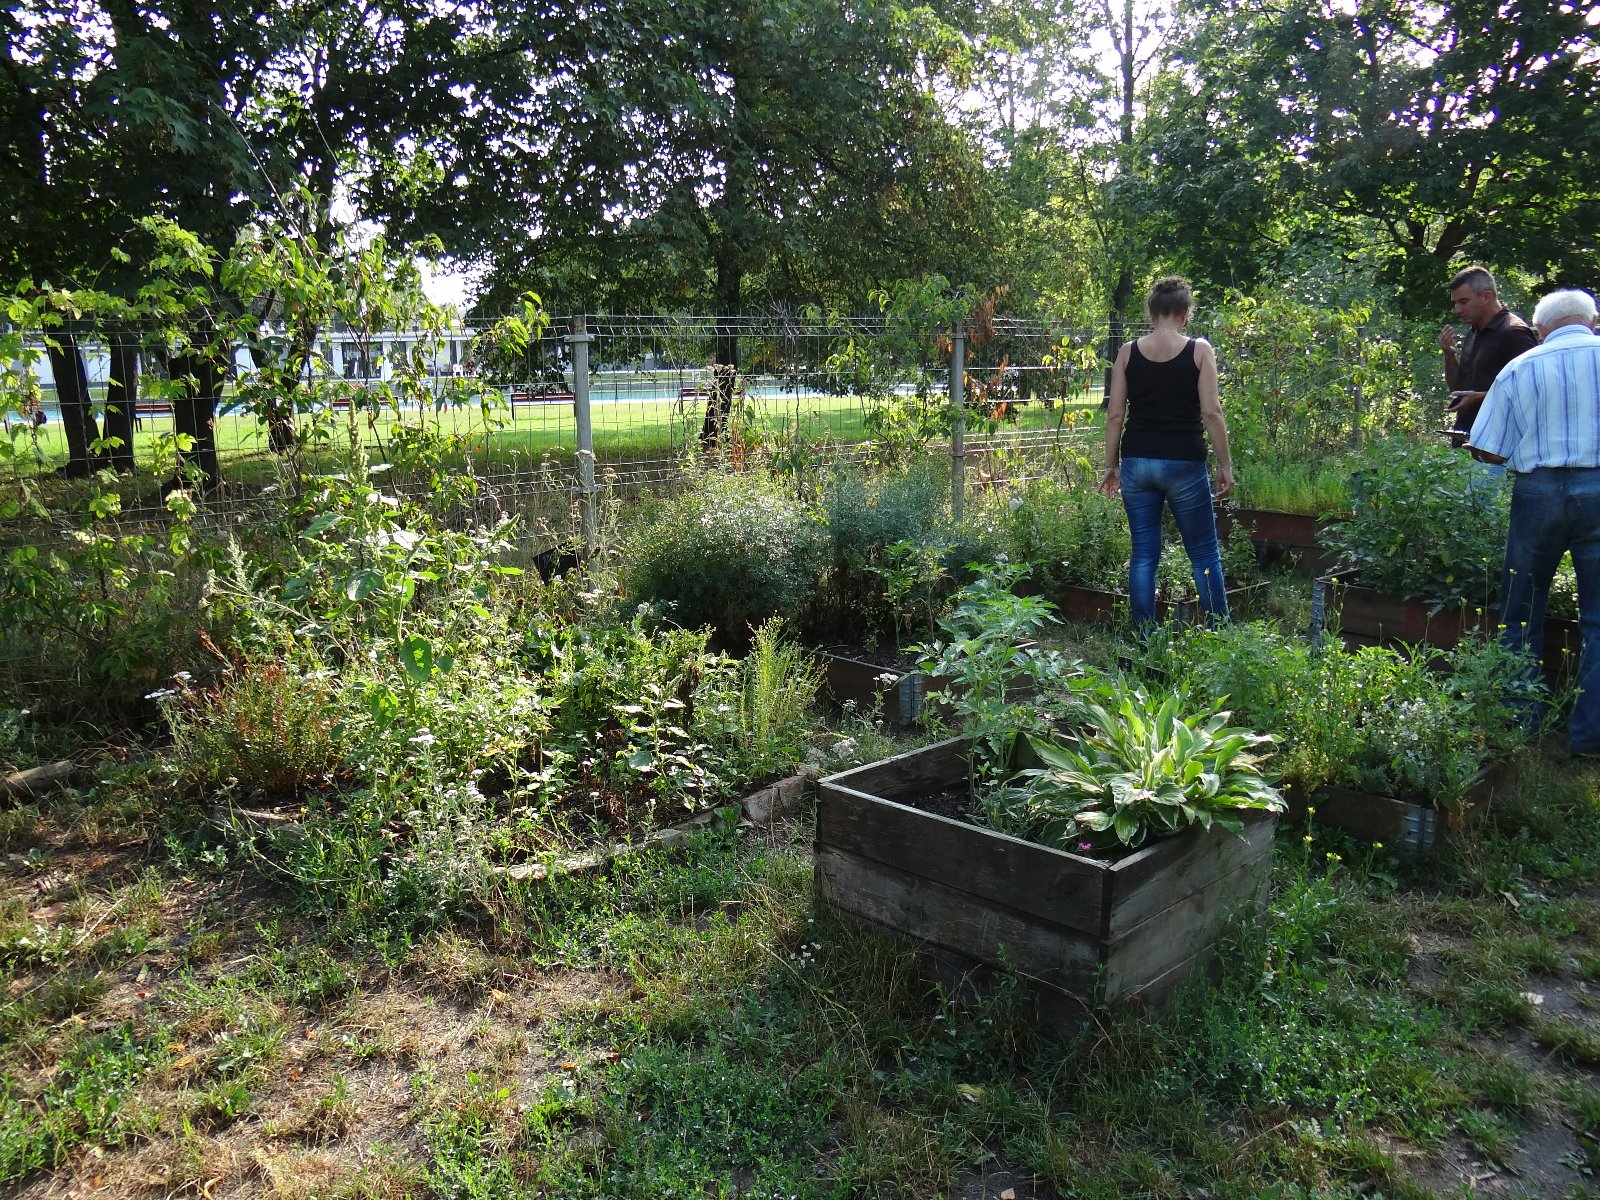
(1556,509)
(1185,487)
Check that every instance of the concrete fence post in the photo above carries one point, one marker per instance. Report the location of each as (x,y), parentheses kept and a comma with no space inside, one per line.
(578,340)
(958,412)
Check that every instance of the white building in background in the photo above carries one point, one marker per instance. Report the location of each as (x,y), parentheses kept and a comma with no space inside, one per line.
(346,355)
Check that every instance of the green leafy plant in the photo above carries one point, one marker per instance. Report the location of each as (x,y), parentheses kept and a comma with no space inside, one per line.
(1298,374)
(1425,524)
(912,576)
(1071,533)
(263,729)
(987,671)
(731,552)
(780,684)
(1416,726)
(869,590)
(1135,769)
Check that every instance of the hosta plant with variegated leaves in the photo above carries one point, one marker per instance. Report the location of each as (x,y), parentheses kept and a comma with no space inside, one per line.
(1134,769)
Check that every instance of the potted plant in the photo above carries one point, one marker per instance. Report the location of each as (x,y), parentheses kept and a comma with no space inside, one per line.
(1099,852)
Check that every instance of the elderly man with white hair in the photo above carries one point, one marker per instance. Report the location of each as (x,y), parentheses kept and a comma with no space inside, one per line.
(1542,419)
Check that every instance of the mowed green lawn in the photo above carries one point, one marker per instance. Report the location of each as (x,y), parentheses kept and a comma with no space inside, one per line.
(532,433)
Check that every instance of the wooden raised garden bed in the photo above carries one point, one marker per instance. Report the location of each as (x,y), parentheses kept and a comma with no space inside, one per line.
(1090,605)
(1281,538)
(903,693)
(1137,927)
(900,691)
(1369,618)
(1410,829)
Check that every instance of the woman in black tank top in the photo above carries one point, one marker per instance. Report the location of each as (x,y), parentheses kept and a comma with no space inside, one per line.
(1162,403)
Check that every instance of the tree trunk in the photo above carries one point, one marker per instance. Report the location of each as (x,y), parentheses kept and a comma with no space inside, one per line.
(194,412)
(1121,294)
(77,415)
(281,382)
(122,398)
(725,372)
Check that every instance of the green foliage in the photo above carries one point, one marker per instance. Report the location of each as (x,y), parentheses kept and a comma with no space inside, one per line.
(1315,487)
(1131,770)
(867,592)
(989,675)
(731,552)
(1300,377)
(1417,727)
(1072,534)
(263,729)
(1425,524)
(912,576)
(645,713)
(1368,130)
(78,1105)
(1298,1022)
(468,1136)
(105,604)
(780,684)
(687,1115)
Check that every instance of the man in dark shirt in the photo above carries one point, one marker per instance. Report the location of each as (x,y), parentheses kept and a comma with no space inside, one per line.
(1495,336)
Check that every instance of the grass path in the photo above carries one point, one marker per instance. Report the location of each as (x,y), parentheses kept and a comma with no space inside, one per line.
(687,1024)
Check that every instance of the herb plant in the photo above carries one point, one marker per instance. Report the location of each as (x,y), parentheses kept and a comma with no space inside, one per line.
(1426,524)
(1073,534)
(1415,726)
(731,552)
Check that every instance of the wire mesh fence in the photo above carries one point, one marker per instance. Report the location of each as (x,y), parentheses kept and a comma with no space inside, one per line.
(626,403)
(660,395)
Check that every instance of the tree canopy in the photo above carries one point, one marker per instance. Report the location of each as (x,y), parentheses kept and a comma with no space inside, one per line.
(1428,134)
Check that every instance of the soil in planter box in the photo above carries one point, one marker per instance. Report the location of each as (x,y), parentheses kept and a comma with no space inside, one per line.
(956,804)
(890,658)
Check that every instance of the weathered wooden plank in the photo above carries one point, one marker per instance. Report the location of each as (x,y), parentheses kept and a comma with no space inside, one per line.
(1164,872)
(900,692)
(1052,885)
(1402,826)
(36,781)
(1145,952)
(963,975)
(1155,994)
(1058,956)
(919,772)
(1412,829)
(1367,614)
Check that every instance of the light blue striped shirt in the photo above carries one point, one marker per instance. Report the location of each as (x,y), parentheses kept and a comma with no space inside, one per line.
(1543,409)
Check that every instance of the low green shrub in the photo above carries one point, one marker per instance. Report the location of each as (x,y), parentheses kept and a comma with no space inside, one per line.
(896,553)
(1072,534)
(989,680)
(780,683)
(263,728)
(1426,523)
(730,553)
(1075,536)
(1373,719)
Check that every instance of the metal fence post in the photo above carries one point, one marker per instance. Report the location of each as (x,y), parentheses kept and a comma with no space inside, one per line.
(958,405)
(583,419)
